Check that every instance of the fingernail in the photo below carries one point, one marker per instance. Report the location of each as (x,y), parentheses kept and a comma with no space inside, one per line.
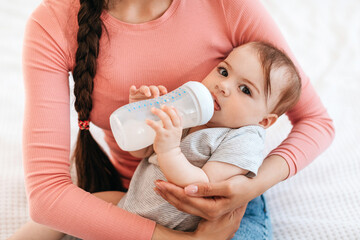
(158,185)
(157,191)
(191,189)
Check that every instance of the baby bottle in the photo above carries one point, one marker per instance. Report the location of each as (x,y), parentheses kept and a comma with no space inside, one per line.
(192,100)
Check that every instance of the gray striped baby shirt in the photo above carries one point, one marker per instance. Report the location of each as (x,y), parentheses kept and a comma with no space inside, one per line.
(241,147)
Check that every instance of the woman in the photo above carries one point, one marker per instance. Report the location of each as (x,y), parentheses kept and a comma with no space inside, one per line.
(123,43)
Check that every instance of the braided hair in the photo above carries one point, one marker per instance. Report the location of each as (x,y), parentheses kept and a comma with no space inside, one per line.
(94,170)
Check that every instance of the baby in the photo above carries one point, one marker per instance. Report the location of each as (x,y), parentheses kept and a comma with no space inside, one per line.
(251,88)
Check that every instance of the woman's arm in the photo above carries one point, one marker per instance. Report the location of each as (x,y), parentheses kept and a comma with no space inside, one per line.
(313,130)
(54,201)
(53,198)
(228,224)
(32,230)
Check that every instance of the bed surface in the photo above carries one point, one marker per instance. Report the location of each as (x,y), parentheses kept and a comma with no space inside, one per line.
(320,202)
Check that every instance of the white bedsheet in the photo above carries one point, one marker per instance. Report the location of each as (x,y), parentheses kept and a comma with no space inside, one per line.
(321,202)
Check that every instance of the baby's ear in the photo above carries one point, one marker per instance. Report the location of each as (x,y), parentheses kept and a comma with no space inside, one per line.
(269,120)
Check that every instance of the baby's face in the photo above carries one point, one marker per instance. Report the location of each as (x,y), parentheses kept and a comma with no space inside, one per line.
(237,86)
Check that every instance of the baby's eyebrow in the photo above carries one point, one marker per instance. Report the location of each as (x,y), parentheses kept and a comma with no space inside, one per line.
(229,66)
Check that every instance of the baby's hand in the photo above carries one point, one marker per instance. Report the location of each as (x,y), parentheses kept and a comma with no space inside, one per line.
(145,92)
(168,130)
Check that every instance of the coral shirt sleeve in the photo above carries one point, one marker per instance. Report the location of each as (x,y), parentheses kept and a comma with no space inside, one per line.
(53,199)
(313,130)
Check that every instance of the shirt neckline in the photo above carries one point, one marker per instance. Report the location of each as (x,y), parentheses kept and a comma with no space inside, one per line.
(108,18)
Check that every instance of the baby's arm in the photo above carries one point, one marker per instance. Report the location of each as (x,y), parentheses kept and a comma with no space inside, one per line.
(178,170)
(174,165)
(139,94)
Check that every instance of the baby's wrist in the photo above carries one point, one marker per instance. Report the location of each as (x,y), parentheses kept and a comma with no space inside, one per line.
(170,152)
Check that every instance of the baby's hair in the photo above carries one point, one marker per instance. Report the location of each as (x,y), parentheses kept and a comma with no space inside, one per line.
(271,59)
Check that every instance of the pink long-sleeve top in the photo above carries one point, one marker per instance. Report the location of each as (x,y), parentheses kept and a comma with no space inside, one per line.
(183,44)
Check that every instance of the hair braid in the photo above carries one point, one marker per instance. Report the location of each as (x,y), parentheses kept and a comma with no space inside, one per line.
(94,169)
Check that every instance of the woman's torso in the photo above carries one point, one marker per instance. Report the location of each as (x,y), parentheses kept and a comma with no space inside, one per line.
(183,44)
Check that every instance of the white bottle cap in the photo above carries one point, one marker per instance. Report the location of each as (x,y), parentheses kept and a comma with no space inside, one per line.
(205,100)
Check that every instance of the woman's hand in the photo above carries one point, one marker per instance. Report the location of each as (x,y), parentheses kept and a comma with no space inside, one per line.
(222,228)
(145,92)
(211,200)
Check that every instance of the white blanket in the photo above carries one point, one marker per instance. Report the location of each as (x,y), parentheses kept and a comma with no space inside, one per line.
(321,202)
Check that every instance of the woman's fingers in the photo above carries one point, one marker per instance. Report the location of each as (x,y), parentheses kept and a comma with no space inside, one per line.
(208,208)
(176,203)
(223,189)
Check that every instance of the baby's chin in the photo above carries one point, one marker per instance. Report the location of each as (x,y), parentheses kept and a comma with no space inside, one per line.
(218,124)
(210,124)
(213,124)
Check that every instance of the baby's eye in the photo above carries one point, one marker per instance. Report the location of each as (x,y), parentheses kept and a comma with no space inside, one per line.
(245,90)
(223,71)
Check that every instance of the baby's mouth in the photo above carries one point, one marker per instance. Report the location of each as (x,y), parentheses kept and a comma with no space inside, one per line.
(216,104)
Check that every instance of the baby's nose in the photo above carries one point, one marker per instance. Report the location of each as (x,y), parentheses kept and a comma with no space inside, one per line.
(224,87)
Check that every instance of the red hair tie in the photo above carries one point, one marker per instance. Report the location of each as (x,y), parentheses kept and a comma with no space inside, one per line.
(84,125)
